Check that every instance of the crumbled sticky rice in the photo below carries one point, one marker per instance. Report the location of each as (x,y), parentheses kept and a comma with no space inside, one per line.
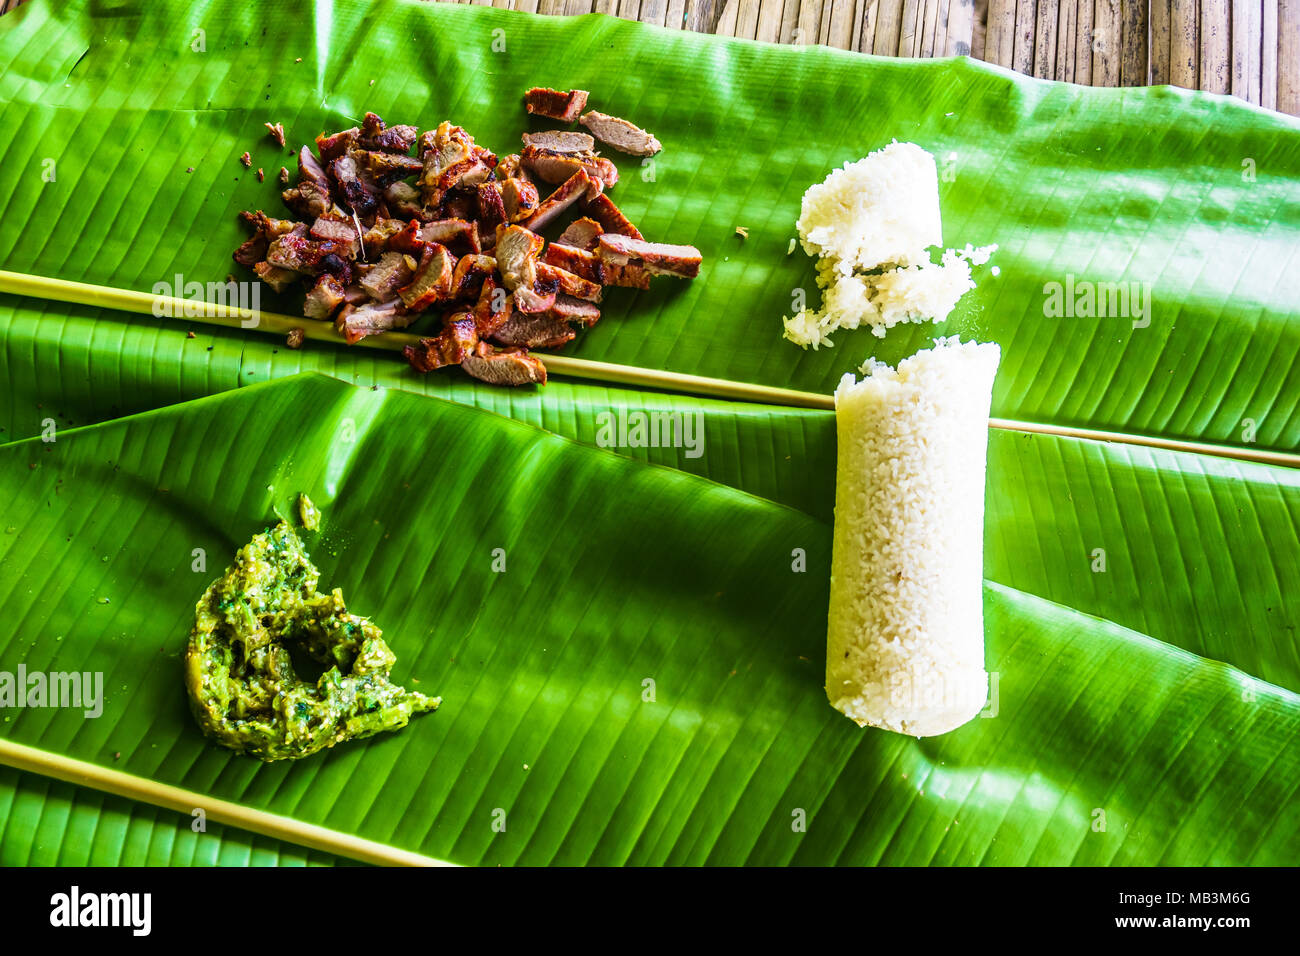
(905,635)
(882,209)
(872,225)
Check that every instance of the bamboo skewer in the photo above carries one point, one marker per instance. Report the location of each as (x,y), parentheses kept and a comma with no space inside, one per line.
(186,802)
(82,293)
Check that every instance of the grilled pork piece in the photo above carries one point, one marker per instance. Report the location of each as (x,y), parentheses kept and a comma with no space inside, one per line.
(469,275)
(388,168)
(504,366)
(581,234)
(277,278)
(560,141)
(336,228)
(555,104)
(307,256)
(370,317)
(456,234)
(585,265)
(567,282)
(624,136)
(450,347)
(552,167)
(308,199)
(509,167)
(265,229)
(519,199)
(544,331)
(575,310)
(323,298)
(611,218)
(494,307)
(516,254)
(393,270)
(574,188)
(333,146)
(391,139)
(657,258)
(408,240)
(629,275)
(491,207)
(377,237)
(310,169)
(358,194)
(450,160)
(432,282)
(403,199)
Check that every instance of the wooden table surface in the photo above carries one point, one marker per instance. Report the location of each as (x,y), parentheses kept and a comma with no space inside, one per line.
(1249,48)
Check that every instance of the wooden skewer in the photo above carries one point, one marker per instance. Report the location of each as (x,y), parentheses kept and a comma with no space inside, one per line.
(81,293)
(183,801)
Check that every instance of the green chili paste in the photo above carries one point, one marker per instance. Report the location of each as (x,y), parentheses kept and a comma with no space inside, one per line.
(241,681)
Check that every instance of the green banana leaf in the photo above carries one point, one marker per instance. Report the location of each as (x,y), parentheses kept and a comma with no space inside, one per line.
(642,683)
(51,823)
(1127,729)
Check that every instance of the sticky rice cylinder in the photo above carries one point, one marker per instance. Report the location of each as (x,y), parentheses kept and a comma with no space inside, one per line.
(905,637)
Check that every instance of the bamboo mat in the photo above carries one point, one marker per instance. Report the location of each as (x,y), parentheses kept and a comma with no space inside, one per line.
(1249,48)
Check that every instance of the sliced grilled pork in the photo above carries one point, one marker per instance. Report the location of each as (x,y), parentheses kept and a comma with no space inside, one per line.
(519,198)
(494,307)
(624,136)
(308,199)
(404,200)
(560,141)
(552,167)
(555,104)
(567,282)
(657,258)
(388,168)
(300,254)
(470,274)
(516,254)
(574,189)
(323,298)
(611,218)
(337,229)
(377,237)
(575,310)
(265,229)
(450,347)
(359,194)
(277,278)
(581,234)
(629,275)
(333,146)
(356,322)
(510,167)
(504,366)
(392,139)
(310,169)
(458,235)
(385,277)
(491,206)
(542,331)
(432,282)
(586,265)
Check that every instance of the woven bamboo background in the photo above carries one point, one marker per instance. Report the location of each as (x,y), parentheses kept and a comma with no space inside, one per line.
(1249,48)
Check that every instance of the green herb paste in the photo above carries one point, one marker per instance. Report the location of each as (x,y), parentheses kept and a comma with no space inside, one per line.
(241,681)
